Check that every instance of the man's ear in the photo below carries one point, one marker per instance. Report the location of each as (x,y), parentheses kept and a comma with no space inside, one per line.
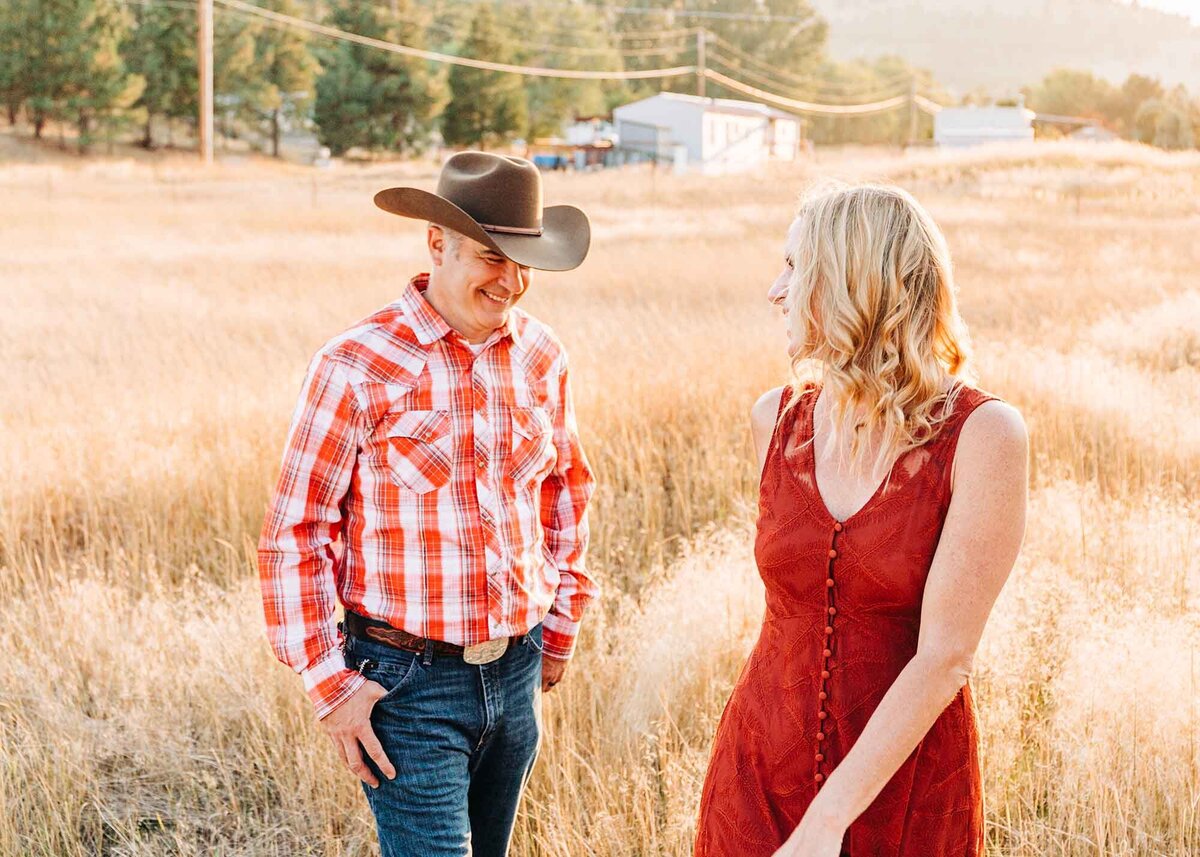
(435,239)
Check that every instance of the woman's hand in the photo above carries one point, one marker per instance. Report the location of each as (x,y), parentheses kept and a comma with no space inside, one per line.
(813,839)
(815,836)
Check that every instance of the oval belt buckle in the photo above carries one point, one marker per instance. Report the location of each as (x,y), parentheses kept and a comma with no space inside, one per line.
(485,652)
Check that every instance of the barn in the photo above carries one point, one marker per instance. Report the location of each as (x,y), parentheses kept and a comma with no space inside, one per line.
(959,127)
(712,135)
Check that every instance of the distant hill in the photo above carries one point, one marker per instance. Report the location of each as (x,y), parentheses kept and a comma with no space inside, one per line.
(1003,44)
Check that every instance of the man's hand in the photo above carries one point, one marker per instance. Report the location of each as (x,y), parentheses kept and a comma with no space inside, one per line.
(552,671)
(349,726)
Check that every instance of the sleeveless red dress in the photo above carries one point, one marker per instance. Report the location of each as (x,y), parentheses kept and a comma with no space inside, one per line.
(843,612)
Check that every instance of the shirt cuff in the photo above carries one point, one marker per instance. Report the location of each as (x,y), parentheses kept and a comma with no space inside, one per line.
(558,636)
(329,683)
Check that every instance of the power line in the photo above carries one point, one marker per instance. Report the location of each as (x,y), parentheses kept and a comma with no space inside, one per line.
(683,13)
(806,106)
(434,56)
(806,81)
(875,94)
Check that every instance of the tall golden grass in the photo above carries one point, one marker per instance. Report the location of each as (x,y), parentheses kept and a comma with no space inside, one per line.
(158,319)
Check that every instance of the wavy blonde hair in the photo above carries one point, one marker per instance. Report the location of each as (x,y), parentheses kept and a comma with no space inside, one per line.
(872,300)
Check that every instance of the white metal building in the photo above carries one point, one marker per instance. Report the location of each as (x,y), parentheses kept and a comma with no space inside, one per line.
(957,127)
(718,134)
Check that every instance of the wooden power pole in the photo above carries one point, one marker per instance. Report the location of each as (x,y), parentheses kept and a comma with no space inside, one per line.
(204,53)
(701,40)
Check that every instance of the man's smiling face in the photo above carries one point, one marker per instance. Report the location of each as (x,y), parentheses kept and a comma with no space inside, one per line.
(471,285)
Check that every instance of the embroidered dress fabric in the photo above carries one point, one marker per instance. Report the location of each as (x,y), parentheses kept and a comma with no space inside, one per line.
(842,619)
(454,481)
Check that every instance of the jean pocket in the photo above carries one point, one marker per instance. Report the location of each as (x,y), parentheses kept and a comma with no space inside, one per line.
(421,450)
(534,636)
(394,673)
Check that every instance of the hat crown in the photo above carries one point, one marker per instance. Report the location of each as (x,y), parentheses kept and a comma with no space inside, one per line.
(495,190)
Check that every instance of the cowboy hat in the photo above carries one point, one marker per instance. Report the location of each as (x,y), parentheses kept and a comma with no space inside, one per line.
(497,200)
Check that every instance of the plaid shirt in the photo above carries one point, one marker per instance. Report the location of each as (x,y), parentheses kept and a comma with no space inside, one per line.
(456,483)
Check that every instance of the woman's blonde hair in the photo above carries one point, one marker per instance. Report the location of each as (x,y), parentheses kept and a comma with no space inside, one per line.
(872,300)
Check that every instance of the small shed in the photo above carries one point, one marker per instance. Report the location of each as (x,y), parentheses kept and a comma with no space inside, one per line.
(718,134)
(958,127)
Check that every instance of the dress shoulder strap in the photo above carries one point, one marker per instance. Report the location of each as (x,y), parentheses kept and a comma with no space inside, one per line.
(790,406)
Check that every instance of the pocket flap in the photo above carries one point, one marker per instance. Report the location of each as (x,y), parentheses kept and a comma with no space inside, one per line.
(421,425)
(530,423)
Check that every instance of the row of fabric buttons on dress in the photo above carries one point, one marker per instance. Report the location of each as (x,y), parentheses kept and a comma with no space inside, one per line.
(826,663)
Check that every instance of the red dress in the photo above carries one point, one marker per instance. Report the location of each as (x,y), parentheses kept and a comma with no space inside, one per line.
(843,612)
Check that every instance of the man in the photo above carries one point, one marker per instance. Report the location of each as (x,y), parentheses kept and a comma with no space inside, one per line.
(437,441)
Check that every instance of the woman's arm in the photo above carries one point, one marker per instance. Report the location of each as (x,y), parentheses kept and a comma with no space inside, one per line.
(980,539)
(762,423)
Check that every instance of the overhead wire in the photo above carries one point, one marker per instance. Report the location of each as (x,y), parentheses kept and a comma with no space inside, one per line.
(436,56)
(801,105)
(867,95)
(805,80)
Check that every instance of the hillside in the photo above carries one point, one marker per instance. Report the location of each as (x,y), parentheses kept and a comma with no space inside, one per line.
(1003,45)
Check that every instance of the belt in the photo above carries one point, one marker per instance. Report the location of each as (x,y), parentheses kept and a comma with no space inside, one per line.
(366,628)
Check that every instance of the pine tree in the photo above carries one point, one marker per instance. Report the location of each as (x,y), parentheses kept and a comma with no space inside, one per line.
(287,70)
(14,49)
(486,107)
(162,49)
(237,84)
(101,87)
(555,101)
(74,69)
(373,99)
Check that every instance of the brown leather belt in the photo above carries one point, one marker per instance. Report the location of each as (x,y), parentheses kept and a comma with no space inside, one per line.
(366,628)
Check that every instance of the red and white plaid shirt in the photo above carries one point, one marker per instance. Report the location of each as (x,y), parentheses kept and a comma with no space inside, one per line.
(456,484)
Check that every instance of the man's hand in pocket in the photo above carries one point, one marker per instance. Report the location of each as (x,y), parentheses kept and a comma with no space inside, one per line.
(349,727)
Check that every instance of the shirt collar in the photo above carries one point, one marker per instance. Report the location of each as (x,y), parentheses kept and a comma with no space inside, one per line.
(427,323)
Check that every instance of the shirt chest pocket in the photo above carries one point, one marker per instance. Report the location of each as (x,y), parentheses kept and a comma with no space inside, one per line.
(533,451)
(420,452)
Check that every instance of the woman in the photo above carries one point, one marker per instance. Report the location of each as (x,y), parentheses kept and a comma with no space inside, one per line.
(891,510)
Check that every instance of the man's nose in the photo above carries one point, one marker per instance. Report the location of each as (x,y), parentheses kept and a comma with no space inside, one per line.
(515,277)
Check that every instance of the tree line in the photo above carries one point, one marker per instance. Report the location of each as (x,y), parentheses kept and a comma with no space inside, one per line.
(121,68)
(1141,108)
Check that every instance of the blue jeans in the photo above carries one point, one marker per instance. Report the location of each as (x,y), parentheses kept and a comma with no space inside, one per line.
(463,739)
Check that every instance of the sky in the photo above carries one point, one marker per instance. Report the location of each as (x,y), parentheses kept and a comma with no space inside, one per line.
(1191,8)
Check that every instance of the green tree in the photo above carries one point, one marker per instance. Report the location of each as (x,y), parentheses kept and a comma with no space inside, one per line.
(373,99)
(540,33)
(792,45)
(486,107)
(74,70)
(237,83)
(1070,92)
(162,49)
(102,88)
(14,49)
(287,71)
(1167,122)
(1135,91)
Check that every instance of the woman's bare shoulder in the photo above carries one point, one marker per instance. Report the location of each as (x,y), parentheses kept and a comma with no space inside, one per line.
(993,440)
(766,409)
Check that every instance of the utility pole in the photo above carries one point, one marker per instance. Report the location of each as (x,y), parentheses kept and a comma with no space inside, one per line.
(912,111)
(204,53)
(701,40)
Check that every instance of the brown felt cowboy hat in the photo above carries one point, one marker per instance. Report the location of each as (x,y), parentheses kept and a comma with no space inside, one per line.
(497,200)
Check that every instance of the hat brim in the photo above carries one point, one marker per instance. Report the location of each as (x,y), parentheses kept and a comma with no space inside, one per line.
(562,246)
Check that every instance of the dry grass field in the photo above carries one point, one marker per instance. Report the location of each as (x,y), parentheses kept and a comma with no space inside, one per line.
(156,324)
